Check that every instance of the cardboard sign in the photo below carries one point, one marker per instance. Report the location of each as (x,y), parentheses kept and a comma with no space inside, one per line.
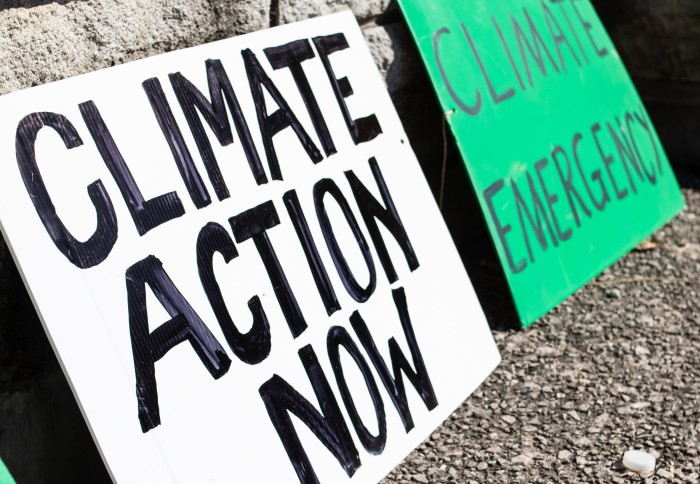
(238,261)
(566,164)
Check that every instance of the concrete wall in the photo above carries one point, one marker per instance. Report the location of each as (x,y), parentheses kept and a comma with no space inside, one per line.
(42,435)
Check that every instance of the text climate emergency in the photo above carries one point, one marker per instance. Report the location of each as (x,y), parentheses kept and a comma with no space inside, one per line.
(553,40)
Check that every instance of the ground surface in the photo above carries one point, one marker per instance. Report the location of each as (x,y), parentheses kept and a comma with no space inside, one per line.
(615,367)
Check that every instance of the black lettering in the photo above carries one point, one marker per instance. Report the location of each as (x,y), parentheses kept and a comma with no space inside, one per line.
(571,27)
(595,176)
(394,384)
(328,425)
(291,56)
(641,119)
(626,153)
(607,161)
(356,291)
(147,214)
(81,254)
(215,113)
(254,224)
(650,173)
(558,37)
(497,98)
(181,153)
(318,270)
(502,230)
(552,200)
(536,51)
(510,54)
(471,110)
(337,337)
(254,346)
(149,347)
(272,124)
(588,27)
(371,211)
(567,182)
(361,129)
(536,223)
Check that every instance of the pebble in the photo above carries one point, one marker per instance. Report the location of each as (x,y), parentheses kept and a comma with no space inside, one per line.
(639,461)
(421,478)
(564,455)
(665,474)
(521,460)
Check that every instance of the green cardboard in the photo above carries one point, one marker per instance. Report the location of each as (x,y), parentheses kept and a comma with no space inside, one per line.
(5,477)
(566,164)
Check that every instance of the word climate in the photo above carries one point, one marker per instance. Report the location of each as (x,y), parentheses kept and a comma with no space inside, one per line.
(217,115)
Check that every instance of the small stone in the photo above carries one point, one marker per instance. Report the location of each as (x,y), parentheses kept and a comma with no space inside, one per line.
(482,466)
(583,442)
(564,455)
(521,459)
(639,461)
(641,351)
(509,419)
(665,474)
(420,478)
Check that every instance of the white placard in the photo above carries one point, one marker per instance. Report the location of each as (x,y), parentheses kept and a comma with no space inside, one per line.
(238,261)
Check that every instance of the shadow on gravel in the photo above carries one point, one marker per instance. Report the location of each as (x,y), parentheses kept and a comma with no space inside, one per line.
(8,4)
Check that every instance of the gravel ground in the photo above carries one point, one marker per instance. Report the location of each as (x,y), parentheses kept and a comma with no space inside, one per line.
(615,367)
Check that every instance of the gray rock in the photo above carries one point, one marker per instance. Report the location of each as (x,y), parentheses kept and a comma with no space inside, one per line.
(295,10)
(565,455)
(665,474)
(52,41)
(509,419)
(420,478)
(522,459)
(394,54)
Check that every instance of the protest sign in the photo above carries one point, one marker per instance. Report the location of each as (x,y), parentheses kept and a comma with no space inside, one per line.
(566,164)
(238,261)
(5,476)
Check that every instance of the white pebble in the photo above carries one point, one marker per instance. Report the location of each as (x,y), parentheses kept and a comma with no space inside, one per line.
(639,461)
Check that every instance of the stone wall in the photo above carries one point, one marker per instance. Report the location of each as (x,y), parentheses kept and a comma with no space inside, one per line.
(42,435)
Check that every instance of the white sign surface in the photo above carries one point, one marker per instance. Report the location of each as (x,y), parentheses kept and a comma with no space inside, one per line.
(238,261)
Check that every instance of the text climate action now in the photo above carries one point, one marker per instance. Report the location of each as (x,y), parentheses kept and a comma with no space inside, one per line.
(269,168)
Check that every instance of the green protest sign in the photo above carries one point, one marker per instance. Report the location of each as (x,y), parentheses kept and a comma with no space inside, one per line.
(5,477)
(564,159)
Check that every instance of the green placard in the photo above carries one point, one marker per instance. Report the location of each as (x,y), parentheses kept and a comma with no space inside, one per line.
(566,164)
(5,477)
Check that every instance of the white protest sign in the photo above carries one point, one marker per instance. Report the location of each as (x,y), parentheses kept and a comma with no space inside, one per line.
(238,261)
